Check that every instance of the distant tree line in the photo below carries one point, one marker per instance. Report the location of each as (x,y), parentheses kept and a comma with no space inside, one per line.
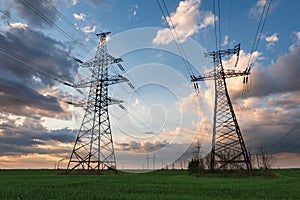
(263,158)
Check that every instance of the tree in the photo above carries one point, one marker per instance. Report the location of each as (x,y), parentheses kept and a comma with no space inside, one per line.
(207,160)
(196,166)
(266,159)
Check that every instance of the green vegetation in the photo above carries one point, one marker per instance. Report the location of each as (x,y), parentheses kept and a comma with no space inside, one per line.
(171,184)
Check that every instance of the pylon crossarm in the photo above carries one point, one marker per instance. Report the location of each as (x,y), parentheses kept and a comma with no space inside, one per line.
(108,61)
(207,76)
(115,79)
(114,60)
(112,101)
(228,73)
(110,80)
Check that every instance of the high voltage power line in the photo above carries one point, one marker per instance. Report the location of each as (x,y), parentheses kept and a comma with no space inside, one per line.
(51,23)
(64,18)
(175,36)
(259,31)
(32,64)
(217,13)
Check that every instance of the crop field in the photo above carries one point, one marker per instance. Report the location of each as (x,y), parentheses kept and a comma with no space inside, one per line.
(171,184)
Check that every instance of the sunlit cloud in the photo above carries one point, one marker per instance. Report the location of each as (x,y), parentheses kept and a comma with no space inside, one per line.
(75,2)
(188,104)
(80,16)
(297,34)
(257,9)
(271,40)
(88,29)
(18,25)
(187,21)
(31,161)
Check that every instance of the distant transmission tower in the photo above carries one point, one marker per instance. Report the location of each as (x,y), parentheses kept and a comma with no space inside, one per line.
(94,149)
(228,148)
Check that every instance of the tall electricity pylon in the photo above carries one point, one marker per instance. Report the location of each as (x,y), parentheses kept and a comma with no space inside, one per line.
(94,149)
(228,148)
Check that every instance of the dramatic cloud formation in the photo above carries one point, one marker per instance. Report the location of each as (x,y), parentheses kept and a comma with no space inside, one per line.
(280,77)
(30,63)
(30,136)
(18,25)
(141,147)
(22,100)
(30,44)
(269,114)
(21,80)
(36,127)
(187,20)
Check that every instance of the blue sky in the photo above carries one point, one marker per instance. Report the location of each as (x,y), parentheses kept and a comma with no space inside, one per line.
(39,40)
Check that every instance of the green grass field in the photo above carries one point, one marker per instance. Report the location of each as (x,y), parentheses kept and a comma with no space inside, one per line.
(47,184)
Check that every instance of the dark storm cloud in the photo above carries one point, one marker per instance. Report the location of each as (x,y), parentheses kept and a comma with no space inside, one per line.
(140,147)
(21,83)
(21,100)
(280,77)
(49,54)
(276,138)
(23,139)
(32,10)
(276,92)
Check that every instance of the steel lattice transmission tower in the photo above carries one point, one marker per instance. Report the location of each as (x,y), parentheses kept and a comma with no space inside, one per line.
(94,149)
(228,148)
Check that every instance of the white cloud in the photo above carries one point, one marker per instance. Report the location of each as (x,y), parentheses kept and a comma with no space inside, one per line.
(208,20)
(163,36)
(136,102)
(18,25)
(88,29)
(235,85)
(74,2)
(271,40)
(133,10)
(257,9)
(186,21)
(297,35)
(261,3)
(81,16)
(226,39)
(188,104)
(135,7)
